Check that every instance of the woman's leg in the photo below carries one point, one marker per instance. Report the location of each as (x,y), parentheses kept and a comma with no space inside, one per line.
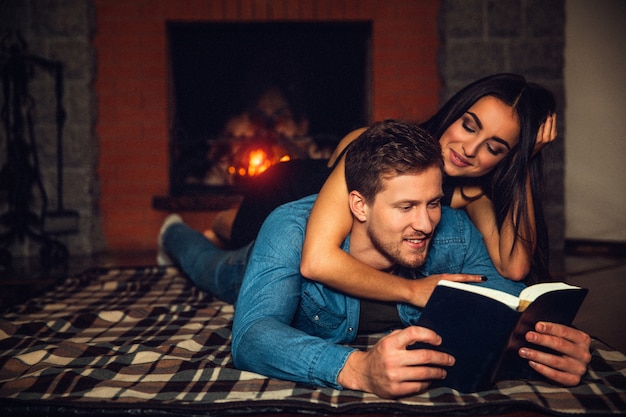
(212,269)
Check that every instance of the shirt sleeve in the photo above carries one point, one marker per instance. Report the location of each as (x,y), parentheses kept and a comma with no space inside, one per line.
(264,340)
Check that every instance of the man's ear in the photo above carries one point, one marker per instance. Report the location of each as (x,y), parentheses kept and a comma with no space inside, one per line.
(357,205)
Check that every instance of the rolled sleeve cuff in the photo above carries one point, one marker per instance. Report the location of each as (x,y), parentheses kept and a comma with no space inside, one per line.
(325,368)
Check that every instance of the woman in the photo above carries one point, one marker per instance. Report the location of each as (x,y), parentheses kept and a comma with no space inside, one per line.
(491,133)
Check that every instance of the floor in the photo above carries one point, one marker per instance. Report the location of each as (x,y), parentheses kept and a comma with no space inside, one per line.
(603,314)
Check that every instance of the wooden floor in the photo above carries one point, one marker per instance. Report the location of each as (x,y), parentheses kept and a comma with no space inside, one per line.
(602,315)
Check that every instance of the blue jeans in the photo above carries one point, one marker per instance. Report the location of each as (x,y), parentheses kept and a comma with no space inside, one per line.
(212,269)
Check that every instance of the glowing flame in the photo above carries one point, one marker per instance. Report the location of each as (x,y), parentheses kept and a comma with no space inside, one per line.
(258,162)
(254,160)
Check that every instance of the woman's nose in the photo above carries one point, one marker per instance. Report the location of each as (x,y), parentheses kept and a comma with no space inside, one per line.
(470,148)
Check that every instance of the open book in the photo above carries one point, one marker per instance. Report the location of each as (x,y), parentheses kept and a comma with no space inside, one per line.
(484,328)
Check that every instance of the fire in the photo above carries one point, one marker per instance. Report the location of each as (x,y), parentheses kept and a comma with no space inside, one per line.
(258,162)
(255,161)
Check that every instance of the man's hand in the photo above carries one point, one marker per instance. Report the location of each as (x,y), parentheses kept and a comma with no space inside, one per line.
(421,289)
(389,370)
(570,365)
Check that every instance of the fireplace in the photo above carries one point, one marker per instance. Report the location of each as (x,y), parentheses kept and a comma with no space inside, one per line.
(244,96)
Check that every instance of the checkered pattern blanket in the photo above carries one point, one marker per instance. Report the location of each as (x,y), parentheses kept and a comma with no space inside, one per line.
(133,340)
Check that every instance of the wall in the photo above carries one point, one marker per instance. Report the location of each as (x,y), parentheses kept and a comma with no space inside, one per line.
(132,88)
(423,50)
(61,31)
(481,37)
(595,181)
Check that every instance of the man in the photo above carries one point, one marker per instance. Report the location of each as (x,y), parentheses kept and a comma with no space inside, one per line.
(289,327)
(292,328)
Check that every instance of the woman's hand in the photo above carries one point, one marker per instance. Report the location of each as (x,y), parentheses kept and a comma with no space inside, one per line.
(546,134)
(422,288)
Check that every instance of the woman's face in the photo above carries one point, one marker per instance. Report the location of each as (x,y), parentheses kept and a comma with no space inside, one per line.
(482,137)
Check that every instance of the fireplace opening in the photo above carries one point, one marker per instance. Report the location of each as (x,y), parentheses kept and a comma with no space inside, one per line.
(245,96)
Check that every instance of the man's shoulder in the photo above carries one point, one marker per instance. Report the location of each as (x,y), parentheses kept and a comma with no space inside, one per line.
(454,224)
(292,212)
(303,204)
(452,216)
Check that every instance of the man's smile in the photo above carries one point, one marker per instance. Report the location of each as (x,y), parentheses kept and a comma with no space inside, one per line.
(417,243)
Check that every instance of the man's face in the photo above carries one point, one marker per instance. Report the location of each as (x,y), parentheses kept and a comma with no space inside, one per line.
(403,217)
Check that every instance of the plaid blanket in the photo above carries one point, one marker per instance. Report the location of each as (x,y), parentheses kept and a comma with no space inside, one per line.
(141,340)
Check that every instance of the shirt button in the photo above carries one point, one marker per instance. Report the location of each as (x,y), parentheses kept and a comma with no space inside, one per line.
(316,317)
(350,329)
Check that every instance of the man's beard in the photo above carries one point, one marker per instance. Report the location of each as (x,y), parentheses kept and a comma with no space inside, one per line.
(393,252)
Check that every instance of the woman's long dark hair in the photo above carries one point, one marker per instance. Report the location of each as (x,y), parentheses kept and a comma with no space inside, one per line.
(505,185)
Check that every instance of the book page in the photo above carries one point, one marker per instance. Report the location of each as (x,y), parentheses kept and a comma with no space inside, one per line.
(531,293)
(509,300)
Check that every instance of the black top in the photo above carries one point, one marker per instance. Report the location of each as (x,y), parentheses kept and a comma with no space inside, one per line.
(378,316)
(280,184)
(448,190)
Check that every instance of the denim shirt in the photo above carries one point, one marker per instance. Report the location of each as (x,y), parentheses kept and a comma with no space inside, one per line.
(292,328)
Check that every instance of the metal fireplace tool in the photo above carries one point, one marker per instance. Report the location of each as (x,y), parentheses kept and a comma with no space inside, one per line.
(20,177)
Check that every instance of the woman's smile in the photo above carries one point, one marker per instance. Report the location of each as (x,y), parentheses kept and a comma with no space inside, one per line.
(458,160)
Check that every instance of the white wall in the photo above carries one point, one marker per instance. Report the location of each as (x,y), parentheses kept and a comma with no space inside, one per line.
(595,114)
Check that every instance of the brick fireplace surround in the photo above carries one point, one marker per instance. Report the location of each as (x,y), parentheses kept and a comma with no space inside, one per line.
(116,87)
(132,89)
